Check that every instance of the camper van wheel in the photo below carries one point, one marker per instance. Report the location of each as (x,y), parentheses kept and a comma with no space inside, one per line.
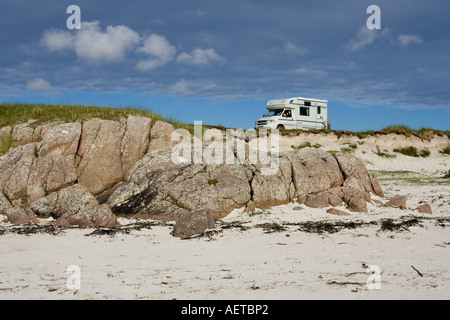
(280,127)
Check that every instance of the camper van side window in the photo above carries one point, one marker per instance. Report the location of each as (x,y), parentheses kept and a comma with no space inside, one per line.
(304,111)
(318,110)
(307,103)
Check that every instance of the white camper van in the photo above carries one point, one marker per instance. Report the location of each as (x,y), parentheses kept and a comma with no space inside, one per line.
(295,113)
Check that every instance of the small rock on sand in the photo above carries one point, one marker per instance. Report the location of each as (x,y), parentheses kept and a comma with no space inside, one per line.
(193,224)
(397,201)
(337,212)
(424,208)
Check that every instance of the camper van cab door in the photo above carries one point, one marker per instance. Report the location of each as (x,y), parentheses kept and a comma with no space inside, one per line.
(287,120)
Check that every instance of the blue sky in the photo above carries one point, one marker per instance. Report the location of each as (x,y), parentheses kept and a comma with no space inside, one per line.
(220,61)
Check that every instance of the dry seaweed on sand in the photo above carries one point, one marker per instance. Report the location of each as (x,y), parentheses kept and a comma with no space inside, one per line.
(331,227)
(31,229)
(127,229)
(271,227)
(390,225)
(236,224)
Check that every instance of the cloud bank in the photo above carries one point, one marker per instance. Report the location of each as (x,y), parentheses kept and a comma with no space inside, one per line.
(93,45)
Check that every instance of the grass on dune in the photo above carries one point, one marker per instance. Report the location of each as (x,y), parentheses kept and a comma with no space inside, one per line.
(413,152)
(423,133)
(13,114)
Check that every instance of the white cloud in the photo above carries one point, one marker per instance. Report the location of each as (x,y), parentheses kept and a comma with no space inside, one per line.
(56,40)
(159,50)
(365,37)
(186,88)
(91,43)
(291,48)
(40,85)
(200,57)
(405,40)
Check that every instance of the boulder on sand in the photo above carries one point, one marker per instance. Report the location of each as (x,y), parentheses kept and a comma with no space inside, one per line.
(356,174)
(397,201)
(193,224)
(337,212)
(320,200)
(424,208)
(313,171)
(354,199)
(19,216)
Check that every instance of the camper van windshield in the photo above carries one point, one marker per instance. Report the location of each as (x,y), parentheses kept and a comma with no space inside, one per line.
(272,113)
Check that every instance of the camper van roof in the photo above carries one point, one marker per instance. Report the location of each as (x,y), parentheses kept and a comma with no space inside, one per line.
(287,100)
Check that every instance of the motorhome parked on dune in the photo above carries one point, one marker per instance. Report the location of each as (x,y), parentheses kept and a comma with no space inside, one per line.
(295,113)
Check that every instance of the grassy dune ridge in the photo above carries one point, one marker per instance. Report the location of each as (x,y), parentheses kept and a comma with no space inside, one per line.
(12,114)
(422,133)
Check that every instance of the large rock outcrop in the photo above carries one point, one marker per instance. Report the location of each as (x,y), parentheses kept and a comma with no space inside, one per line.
(87,173)
(307,171)
(74,206)
(159,188)
(135,141)
(15,168)
(4,203)
(54,167)
(23,133)
(100,163)
(356,175)
(161,135)
(51,157)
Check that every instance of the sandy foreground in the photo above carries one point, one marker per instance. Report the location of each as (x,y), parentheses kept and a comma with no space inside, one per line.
(279,253)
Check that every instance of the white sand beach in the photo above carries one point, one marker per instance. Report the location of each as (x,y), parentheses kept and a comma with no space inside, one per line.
(278,253)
